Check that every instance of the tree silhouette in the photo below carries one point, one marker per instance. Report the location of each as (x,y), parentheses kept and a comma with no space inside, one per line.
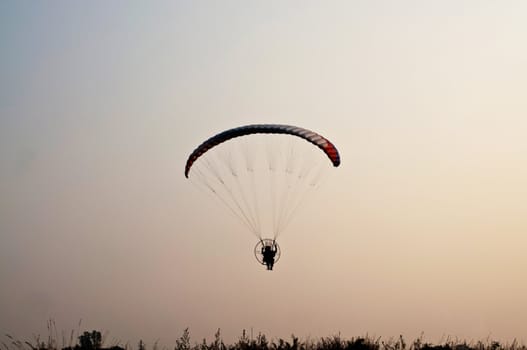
(90,341)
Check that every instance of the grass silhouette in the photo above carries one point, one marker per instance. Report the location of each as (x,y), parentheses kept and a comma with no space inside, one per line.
(95,341)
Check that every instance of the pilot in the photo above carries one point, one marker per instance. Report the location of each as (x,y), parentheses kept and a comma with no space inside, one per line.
(269,252)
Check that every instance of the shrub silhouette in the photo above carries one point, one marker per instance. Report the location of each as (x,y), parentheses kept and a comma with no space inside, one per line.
(90,341)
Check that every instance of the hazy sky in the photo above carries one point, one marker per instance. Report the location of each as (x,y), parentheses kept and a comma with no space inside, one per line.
(423,228)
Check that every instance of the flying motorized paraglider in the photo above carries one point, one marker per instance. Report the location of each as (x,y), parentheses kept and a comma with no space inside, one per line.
(262,174)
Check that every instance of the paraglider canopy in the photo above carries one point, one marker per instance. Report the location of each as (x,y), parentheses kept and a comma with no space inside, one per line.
(308,135)
(262,173)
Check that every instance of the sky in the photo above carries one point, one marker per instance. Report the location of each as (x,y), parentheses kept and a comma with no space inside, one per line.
(421,230)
